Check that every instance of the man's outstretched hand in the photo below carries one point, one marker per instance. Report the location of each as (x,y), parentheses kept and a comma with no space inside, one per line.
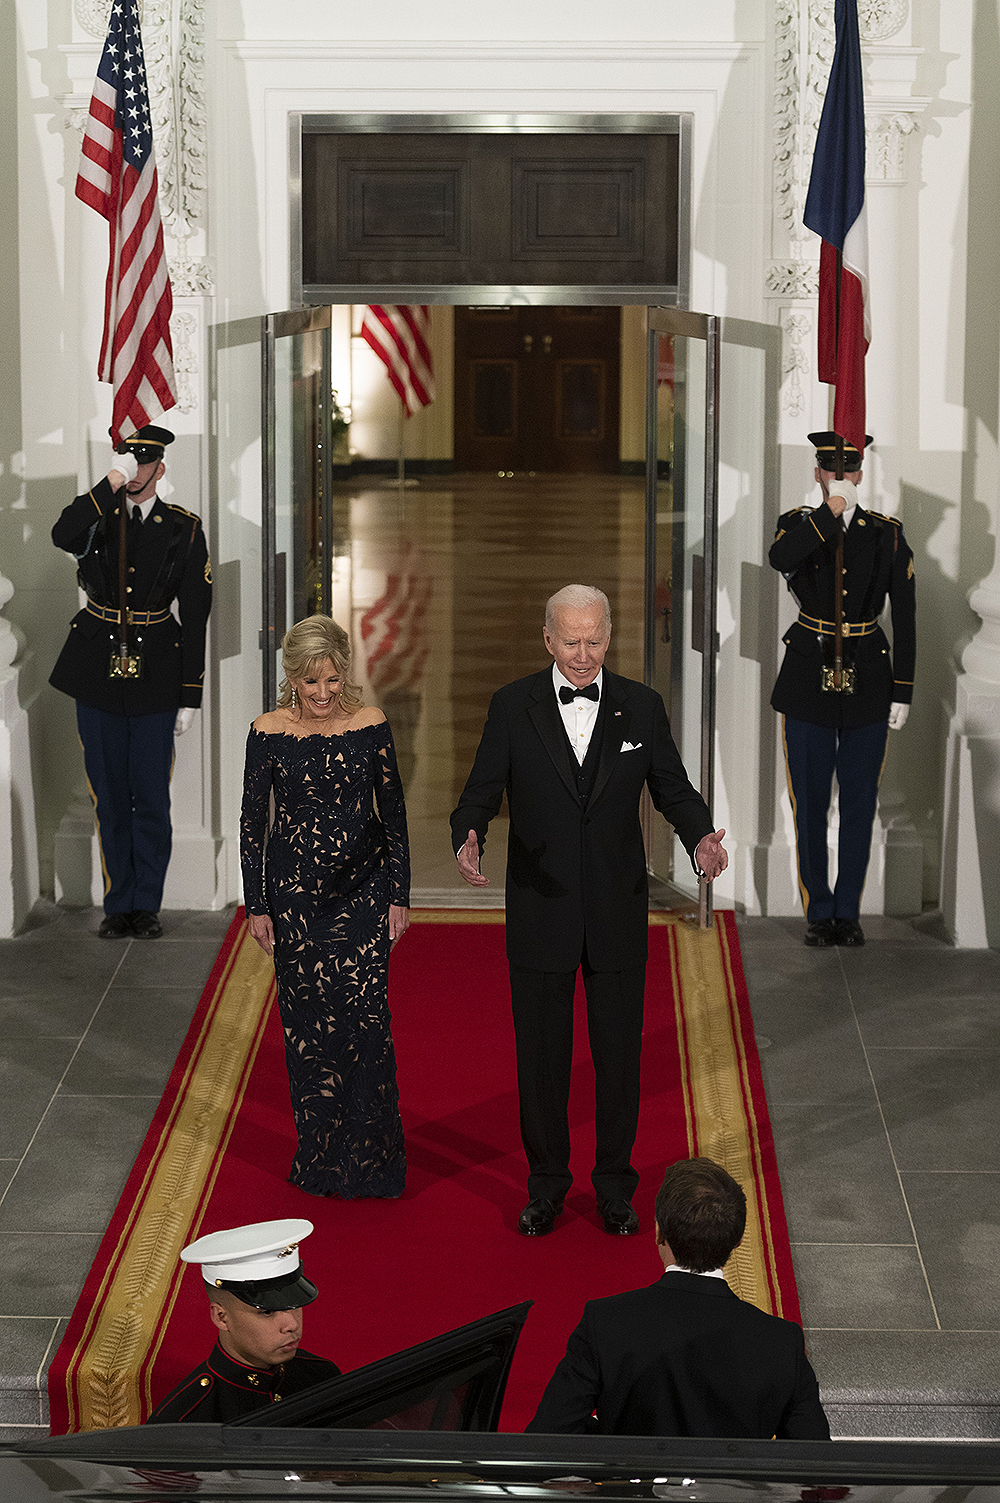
(468,862)
(710,855)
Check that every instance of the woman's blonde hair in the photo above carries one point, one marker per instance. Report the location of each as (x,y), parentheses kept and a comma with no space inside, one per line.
(305,646)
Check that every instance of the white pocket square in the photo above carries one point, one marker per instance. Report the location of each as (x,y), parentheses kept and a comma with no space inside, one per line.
(627,746)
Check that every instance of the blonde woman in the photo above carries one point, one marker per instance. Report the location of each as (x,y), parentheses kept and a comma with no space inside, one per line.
(327,889)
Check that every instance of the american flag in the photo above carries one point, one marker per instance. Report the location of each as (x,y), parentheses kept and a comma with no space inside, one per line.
(117,177)
(835,209)
(398,333)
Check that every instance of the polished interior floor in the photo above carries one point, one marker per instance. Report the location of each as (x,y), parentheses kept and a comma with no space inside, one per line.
(445,584)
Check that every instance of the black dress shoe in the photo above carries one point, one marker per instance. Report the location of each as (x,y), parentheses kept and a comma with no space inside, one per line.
(822,934)
(538,1217)
(115,926)
(145,925)
(619,1218)
(848,932)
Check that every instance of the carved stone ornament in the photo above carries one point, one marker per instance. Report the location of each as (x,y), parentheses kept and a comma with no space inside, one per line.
(796,325)
(884,146)
(881,19)
(878,20)
(793,279)
(190,277)
(93,15)
(184,334)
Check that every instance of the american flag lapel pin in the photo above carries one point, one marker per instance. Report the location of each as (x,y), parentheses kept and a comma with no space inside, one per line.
(618,714)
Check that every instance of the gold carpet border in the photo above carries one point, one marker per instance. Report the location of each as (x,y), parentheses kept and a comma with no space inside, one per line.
(715,1079)
(129,1317)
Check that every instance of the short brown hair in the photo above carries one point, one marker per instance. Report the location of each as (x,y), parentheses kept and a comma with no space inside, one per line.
(701,1212)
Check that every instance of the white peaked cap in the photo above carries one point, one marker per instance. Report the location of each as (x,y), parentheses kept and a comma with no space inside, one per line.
(265,1250)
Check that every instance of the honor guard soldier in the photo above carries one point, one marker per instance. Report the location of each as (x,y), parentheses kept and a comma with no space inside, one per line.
(840,687)
(256,1289)
(134,667)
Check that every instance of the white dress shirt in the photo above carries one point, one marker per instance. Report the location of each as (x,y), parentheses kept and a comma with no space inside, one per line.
(580,715)
(710,1273)
(143,508)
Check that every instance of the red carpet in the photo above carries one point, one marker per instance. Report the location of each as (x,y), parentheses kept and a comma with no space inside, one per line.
(392,1273)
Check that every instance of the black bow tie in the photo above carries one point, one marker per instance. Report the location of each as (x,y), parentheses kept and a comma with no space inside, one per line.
(567,695)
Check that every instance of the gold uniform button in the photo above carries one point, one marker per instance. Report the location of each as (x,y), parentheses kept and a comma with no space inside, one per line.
(276,1398)
(204,1382)
(128,590)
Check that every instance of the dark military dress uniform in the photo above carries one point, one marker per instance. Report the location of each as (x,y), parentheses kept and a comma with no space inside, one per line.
(126,725)
(224,1389)
(827,731)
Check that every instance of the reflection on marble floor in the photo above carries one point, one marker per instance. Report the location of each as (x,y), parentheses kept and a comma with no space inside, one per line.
(445,586)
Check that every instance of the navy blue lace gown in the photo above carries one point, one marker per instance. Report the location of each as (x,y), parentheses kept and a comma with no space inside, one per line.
(333,860)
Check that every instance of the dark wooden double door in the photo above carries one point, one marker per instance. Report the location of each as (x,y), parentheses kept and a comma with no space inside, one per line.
(537,389)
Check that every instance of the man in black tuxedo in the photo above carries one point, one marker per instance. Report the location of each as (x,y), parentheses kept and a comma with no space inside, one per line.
(572,747)
(686,1356)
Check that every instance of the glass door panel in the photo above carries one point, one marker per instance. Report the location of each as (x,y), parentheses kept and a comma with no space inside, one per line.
(681,544)
(297,521)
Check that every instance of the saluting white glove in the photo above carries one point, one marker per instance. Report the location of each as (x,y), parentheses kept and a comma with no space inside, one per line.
(124,469)
(184,721)
(897,716)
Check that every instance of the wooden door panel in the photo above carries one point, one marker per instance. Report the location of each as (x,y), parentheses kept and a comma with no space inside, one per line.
(487,209)
(536,389)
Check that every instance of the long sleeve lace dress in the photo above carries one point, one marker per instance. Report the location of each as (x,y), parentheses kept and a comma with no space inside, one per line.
(333,860)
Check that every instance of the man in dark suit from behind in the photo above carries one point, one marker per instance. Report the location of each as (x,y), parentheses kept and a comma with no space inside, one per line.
(686,1356)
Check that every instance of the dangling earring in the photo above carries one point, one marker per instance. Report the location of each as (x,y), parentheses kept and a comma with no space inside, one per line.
(295,699)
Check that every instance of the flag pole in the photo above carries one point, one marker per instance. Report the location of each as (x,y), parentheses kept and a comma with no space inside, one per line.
(838,573)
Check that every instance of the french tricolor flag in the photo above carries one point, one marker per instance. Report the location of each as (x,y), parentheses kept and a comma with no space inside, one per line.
(835,209)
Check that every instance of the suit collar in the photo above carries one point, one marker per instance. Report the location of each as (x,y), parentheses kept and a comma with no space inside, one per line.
(543,711)
(693,1283)
(240,1374)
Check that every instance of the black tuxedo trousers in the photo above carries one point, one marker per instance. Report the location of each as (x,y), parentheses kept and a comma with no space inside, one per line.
(577,894)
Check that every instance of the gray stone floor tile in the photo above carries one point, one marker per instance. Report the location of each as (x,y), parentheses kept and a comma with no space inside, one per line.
(909,1367)
(133,1043)
(44,1273)
(795,1060)
(30,1071)
(901,972)
(837,1175)
(957,1222)
(939,1102)
(49,1013)
(73,1176)
(8,1168)
(24,1343)
(864,1288)
(921,1021)
(801,975)
(151,962)
(193,923)
(85,968)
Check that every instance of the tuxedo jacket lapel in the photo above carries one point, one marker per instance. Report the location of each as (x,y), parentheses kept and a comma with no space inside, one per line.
(544,715)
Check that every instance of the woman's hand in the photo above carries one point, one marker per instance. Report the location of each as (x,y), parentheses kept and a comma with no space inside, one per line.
(262,930)
(399,922)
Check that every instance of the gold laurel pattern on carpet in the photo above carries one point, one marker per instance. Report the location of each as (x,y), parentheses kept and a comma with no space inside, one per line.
(716,1086)
(129,1319)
